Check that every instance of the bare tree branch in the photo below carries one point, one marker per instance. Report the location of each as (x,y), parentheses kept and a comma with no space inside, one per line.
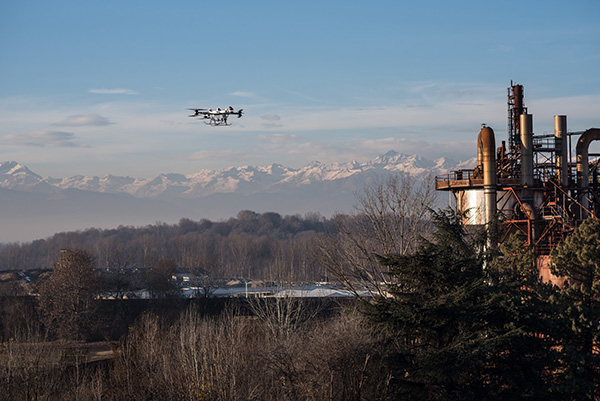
(389,218)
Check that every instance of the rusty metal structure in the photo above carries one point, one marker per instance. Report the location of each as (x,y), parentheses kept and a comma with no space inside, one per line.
(534,185)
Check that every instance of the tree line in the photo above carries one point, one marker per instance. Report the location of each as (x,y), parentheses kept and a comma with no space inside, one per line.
(251,245)
(390,216)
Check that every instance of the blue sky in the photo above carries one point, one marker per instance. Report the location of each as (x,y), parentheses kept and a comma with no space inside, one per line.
(101,87)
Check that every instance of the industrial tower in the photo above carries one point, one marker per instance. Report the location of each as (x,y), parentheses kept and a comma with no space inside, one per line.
(534,186)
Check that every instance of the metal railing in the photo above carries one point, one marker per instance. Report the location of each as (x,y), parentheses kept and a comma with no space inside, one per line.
(458,175)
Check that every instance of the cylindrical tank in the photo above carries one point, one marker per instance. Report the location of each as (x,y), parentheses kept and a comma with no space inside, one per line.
(560,144)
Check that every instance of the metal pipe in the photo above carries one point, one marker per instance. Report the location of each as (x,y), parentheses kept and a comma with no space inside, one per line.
(531,213)
(583,166)
(526,123)
(486,146)
(479,154)
(560,144)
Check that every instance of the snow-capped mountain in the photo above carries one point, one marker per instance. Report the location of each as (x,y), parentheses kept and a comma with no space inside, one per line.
(32,206)
(246,180)
(16,176)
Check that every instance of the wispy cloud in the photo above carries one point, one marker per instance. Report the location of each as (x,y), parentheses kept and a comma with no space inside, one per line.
(219,155)
(278,138)
(245,94)
(42,139)
(271,117)
(272,125)
(118,91)
(81,120)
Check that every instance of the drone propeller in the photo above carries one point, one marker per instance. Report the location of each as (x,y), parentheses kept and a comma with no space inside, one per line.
(216,117)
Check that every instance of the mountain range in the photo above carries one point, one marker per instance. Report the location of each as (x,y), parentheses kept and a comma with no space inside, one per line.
(35,207)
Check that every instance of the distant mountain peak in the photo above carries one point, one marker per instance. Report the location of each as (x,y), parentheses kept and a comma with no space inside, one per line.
(242,180)
(14,168)
(17,176)
(34,207)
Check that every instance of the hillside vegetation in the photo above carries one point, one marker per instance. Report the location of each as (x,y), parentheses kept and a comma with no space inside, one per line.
(251,245)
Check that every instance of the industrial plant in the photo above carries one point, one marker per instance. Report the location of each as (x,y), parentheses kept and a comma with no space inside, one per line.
(542,186)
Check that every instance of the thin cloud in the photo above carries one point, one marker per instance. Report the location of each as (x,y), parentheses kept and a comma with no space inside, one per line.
(43,139)
(82,120)
(271,117)
(118,91)
(244,94)
(278,138)
(217,155)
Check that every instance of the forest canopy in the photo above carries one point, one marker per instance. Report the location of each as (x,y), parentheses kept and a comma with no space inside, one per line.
(256,245)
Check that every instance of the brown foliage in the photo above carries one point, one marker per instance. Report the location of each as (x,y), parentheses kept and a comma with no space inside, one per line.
(67,297)
(232,357)
(240,358)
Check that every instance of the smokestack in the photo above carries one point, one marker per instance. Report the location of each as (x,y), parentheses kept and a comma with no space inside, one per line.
(518,93)
(528,208)
(560,144)
(526,123)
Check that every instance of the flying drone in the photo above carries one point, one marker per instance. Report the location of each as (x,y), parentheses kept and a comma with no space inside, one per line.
(215,117)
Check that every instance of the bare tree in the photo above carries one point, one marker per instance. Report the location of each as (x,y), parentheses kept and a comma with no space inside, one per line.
(389,218)
(283,314)
(66,298)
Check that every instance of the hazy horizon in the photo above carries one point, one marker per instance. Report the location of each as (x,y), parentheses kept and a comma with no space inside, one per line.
(35,207)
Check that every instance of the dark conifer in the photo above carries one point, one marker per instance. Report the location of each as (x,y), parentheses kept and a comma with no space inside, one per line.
(461,325)
(578,261)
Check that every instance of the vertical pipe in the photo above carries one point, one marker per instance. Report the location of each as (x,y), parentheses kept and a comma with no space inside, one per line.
(583,168)
(518,90)
(526,123)
(487,146)
(560,143)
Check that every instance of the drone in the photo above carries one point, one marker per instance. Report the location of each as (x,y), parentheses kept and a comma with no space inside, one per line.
(215,117)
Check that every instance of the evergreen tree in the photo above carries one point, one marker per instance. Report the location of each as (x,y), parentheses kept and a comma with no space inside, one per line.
(461,325)
(529,360)
(578,261)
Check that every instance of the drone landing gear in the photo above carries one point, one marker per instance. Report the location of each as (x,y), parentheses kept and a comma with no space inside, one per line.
(215,122)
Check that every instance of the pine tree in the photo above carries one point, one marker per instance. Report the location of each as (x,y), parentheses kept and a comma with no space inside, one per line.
(460,325)
(528,361)
(578,260)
